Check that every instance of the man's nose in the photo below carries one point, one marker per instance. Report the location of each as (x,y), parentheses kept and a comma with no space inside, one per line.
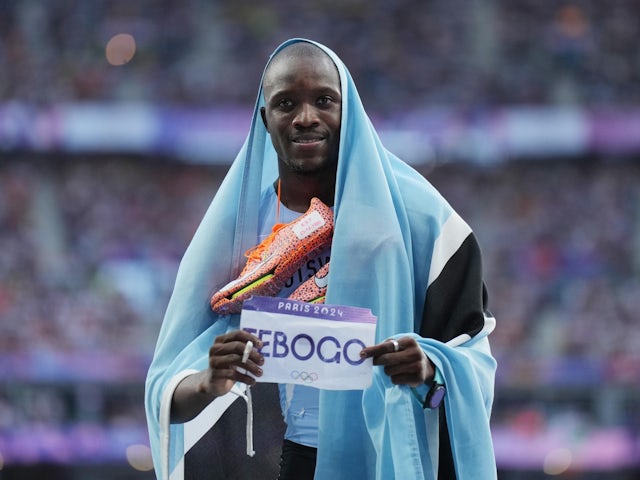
(306,116)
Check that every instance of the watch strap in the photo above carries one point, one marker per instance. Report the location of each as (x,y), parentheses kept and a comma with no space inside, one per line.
(434,393)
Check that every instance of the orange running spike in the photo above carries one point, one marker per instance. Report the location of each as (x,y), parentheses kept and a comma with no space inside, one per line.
(272,262)
(313,290)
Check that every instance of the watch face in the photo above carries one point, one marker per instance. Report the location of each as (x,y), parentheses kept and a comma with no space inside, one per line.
(436,395)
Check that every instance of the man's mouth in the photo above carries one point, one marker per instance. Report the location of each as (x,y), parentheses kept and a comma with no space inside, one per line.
(308,139)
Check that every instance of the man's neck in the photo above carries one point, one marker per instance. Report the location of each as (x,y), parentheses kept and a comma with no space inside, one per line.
(296,191)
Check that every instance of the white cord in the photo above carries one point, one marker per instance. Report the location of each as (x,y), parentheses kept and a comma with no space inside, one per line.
(247,398)
(247,350)
(250,451)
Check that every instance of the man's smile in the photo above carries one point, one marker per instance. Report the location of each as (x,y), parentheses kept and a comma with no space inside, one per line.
(308,139)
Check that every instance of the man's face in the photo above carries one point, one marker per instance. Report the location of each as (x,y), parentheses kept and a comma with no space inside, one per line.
(302,112)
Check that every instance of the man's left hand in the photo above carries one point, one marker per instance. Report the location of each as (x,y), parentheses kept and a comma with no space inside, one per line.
(403,360)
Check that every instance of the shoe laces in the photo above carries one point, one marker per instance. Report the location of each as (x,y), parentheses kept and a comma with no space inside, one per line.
(254,254)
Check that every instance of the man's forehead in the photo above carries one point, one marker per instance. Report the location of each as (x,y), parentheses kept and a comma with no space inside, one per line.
(296,56)
(300,50)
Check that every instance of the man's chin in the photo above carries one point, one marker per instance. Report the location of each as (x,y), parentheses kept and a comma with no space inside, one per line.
(309,167)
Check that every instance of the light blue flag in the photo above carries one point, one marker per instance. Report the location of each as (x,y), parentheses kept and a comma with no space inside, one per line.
(392,232)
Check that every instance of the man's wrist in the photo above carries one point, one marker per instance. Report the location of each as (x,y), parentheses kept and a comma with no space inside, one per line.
(436,392)
(431,393)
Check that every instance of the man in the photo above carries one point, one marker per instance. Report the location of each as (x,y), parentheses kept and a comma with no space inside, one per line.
(398,248)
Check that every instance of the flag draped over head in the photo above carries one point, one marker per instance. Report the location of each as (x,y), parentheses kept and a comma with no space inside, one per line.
(393,236)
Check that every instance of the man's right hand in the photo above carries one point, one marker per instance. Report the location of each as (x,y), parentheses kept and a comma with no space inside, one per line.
(226,368)
(225,363)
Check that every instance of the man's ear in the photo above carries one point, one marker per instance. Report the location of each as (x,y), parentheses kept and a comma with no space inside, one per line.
(264,118)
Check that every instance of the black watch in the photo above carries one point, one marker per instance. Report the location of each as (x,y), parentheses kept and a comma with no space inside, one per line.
(435,395)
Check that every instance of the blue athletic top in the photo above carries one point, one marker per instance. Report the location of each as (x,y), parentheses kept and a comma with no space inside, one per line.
(299,404)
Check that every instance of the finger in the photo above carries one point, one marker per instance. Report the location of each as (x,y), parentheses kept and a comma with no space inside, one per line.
(238,336)
(251,355)
(221,357)
(252,368)
(248,379)
(414,372)
(219,361)
(412,368)
(255,357)
(247,350)
(399,354)
(238,347)
(225,357)
(382,348)
(251,365)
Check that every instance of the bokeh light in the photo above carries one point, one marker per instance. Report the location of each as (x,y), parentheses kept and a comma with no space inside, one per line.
(557,461)
(120,49)
(139,457)
(118,121)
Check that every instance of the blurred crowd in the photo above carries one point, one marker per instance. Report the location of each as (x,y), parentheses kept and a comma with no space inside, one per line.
(91,244)
(561,251)
(88,260)
(90,250)
(91,247)
(403,54)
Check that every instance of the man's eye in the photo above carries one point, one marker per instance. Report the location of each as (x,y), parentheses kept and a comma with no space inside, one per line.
(285,103)
(324,100)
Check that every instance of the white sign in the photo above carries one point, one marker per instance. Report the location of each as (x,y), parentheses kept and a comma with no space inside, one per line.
(311,344)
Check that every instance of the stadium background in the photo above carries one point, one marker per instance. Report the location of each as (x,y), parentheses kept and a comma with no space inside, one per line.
(524,113)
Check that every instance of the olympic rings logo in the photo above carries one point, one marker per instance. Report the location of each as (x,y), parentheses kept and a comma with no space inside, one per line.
(307,377)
